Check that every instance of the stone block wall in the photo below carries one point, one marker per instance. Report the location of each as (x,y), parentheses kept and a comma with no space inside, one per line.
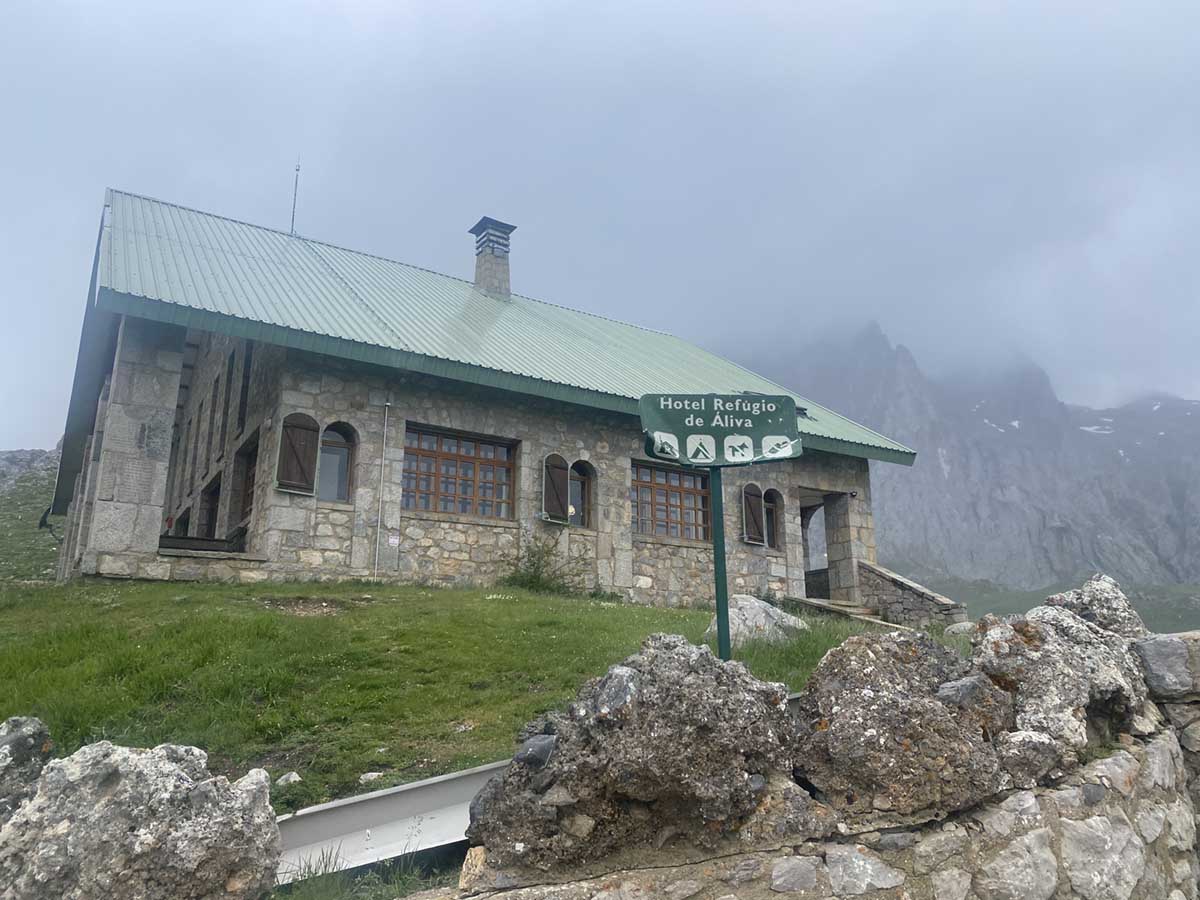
(1121,828)
(294,535)
(897,599)
(131,449)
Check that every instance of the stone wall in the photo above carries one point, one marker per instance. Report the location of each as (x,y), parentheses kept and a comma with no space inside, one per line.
(896,599)
(1121,828)
(1037,769)
(293,535)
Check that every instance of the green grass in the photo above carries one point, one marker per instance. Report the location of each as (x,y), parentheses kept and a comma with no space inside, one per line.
(25,551)
(385,881)
(407,681)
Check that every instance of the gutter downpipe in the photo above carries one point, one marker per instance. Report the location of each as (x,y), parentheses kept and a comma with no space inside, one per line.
(382,463)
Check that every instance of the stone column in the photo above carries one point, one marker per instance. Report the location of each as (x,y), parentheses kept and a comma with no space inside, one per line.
(130,471)
(850,538)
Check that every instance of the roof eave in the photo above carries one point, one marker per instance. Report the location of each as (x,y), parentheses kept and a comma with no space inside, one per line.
(206,320)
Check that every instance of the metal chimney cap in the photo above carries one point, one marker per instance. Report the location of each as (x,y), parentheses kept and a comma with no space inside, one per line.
(487,223)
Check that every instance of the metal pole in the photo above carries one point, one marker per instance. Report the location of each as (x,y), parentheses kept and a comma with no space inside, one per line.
(382,464)
(716,491)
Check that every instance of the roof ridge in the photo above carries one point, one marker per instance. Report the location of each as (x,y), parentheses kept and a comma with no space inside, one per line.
(366,253)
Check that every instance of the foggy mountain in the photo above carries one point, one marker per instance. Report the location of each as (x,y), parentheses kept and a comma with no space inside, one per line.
(1010,484)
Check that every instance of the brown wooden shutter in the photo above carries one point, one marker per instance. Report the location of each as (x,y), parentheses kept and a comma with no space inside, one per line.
(753,514)
(555,490)
(298,454)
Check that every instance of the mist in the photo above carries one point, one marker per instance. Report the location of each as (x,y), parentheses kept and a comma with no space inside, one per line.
(988,183)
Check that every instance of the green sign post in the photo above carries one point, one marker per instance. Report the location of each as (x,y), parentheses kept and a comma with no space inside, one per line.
(711,431)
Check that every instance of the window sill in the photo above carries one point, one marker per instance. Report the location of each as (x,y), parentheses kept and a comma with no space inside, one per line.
(297,491)
(335,504)
(422,515)
(766,551)
(671,541)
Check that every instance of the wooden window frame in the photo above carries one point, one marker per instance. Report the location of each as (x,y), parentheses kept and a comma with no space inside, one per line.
(773,519)
(441,467)
(754,517)
(333,437)
(670,480)
(581,516)
(292,448)
(244,390)
(556,489)
(230,371)
(212,424)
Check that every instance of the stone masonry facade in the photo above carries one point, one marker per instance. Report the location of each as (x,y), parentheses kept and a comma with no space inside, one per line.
(157,449)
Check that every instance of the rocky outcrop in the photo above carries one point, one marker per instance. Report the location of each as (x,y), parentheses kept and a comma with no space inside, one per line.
(25,747)
(883,711)
(1036,768)
(129,824)
(1101,602)
(1116,829)
(1065,675)
(751,619)
(672,744)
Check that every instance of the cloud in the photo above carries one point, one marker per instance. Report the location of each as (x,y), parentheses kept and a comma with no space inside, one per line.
(982,180)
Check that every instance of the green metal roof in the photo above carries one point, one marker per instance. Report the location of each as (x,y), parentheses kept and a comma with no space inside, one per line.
(161,261)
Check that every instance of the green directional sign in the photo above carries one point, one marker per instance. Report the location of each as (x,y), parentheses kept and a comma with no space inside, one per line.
(711,430)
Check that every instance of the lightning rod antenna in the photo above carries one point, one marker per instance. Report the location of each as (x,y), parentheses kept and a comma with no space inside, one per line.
(295,191)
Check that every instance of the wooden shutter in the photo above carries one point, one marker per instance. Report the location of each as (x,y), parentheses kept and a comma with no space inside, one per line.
(555,488)
(752,503)
(298,454)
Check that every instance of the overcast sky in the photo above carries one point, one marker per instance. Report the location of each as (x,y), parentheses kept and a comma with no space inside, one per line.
(983,179)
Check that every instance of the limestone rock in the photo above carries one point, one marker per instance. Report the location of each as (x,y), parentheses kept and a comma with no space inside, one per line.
(1103,857)
(882,745)
(1101,602)
(853,870)
(129,824)
(751,619)
(951,884)
(794,874)
(25,747)
(1024,870)
(1062,672)
(671,741)
(961,628)
(1166,660)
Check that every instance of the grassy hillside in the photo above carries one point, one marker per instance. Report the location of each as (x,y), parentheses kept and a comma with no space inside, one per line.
(26,552)
(330,680)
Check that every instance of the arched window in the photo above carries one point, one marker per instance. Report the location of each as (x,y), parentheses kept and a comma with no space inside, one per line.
(753,527)
(556,489)
(773,519)
(582,482)
(297,470)
(336,476)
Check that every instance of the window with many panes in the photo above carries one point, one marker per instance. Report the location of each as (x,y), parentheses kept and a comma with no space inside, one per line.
(452,473)
(669,502)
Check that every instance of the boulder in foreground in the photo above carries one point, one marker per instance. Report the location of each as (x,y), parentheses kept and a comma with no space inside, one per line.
(671,743)
(128,824)
(25,747)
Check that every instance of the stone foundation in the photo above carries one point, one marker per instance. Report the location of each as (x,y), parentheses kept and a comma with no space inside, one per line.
(1121,828)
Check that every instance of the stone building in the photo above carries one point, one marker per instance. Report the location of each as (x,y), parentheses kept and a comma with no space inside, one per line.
(253,405)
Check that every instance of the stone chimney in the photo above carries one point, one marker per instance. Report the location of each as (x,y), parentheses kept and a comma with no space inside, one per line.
(491,256)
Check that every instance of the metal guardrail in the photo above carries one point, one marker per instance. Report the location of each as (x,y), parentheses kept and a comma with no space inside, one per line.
(371,828)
